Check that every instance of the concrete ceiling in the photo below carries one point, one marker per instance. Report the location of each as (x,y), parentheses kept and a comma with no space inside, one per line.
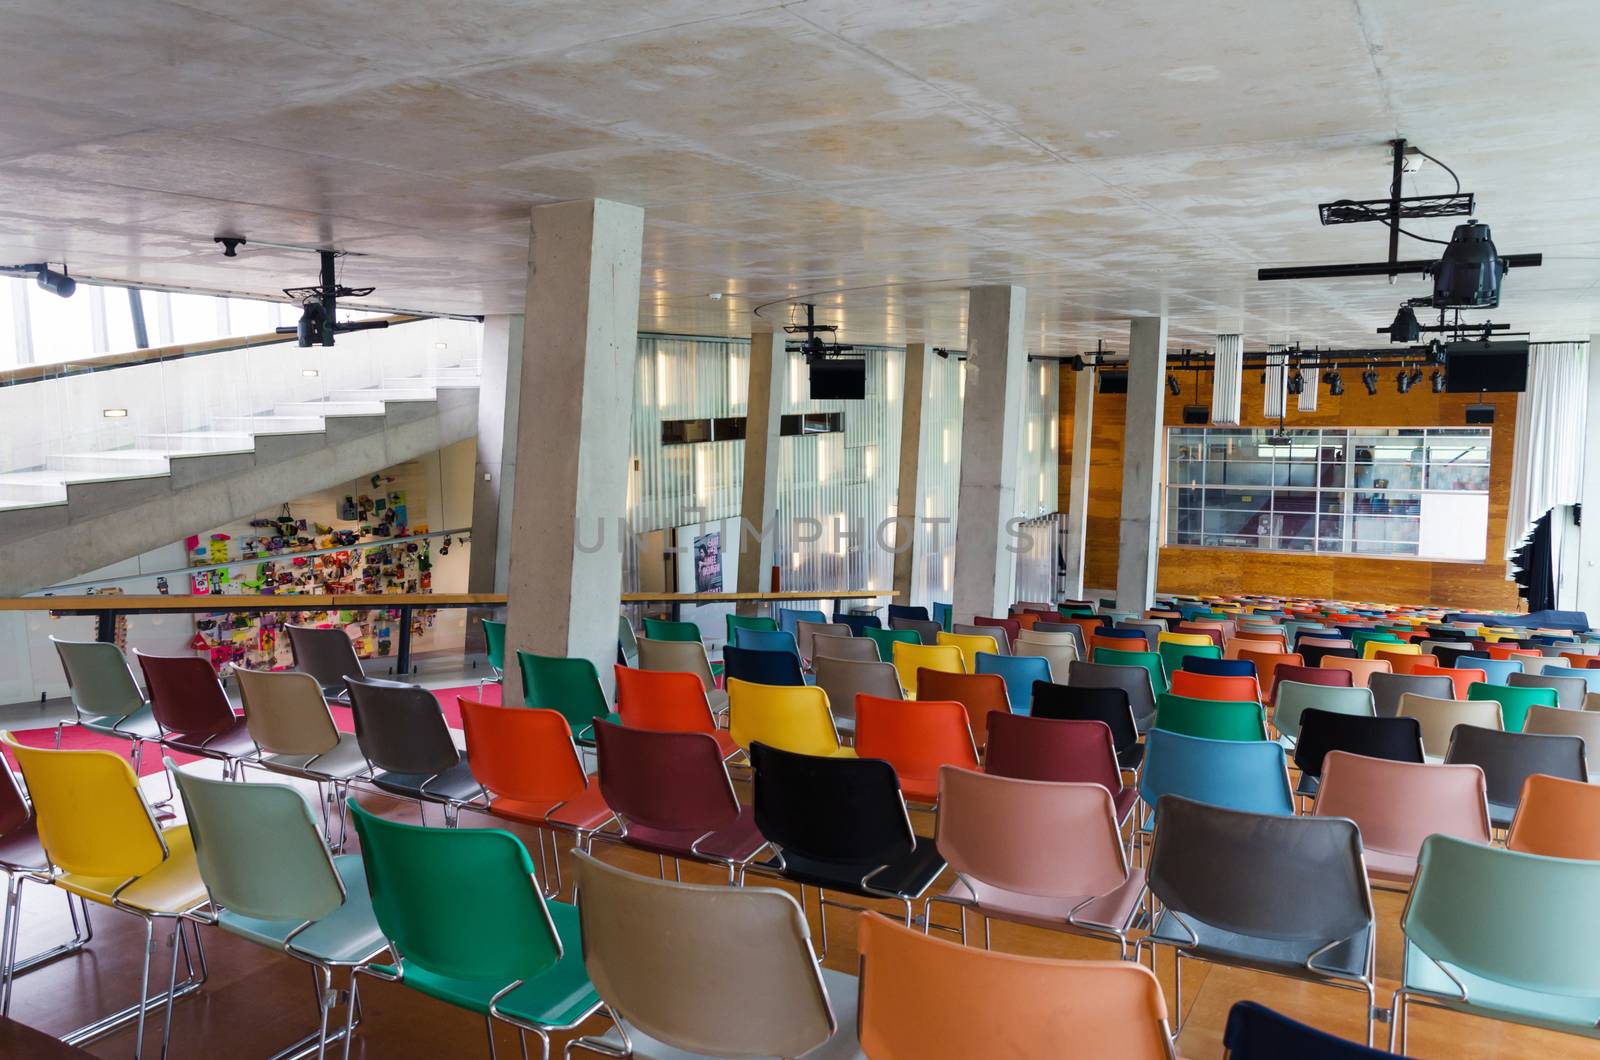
(1112,158)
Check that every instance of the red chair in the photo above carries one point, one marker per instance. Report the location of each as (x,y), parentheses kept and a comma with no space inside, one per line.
(1211,686)
(1405,664)
(1056,749)
(979,694)
(1511,651)
(1462,679)
(1010,625)
(193,710)
(664,701)
(1579,661)
(916,737)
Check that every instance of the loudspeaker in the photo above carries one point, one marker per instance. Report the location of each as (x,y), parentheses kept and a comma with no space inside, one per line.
(1196,414)
(1480,415)
(1113,382)
(1472,367)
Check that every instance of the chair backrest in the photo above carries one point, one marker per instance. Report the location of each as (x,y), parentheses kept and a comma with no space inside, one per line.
(911,611)
(969,645)
(1134,680)
(1556,721)
(1019,672)
(1260,642)
(98,678)
(1175,656)
(568,686)
(844,679)
(858,624)
(1495,670)
(978,694)
(673,781)
(990,828)
(943,614)
(259,848)
(916,993)
(1398,804)
(1295,697)
(1322,731)
(1049,749)
(1439,717)
(1311,675)
(185,695)
(671,629)
(927,631)
(1360,669)
(735,976)
(662,700)
(762,667)
(326,654)
(285,712)
(1230,689)
(1010,625)
(789,619)
(1242,775)
(1267,666)
(1557,818)
(1460,679)
(994,634)
(677,656)
(1081,703)
(1388,688)
(765,640)
(909,658)
(915,737)
(92,818)
(1059,648)
(885,639)
(793,717)
(1255,1032)
(754,622)
(1405,663)
(1569,690)
(1117,639)
(1517,919)
(847,646)
(401,727)
(1514,702)
(417,877)
(1213,719)
(524,754)
(627,642)
(1148,660)
(836,810)
(807,634)
(1201,664)
(1227,869)
(1589,676)
(1509,758)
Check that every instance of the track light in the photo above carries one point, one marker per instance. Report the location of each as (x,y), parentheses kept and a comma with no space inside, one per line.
(1437,381)
(1297,382)
(1405,327)
(1369,379)
(57,283)
(1402,380)
(1172,385)
(1416,375)
(1335,383)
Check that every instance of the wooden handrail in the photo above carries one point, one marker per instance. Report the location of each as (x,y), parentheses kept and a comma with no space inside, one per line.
(124,603)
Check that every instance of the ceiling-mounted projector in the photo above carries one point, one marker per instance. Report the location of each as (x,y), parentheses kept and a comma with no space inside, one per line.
(1469,272)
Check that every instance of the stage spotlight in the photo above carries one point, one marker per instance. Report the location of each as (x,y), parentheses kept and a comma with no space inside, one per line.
(1335,384)
(1297,382)
(1405,327)
(1172,385)
(1437,381)
(313,328)
(58,283)
(1402,380)
(1416,375)
(1369,379)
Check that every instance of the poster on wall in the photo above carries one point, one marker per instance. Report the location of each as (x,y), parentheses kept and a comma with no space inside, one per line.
(708,562)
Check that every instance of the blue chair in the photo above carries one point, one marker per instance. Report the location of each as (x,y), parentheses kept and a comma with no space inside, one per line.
(857,623)
(763,667)
(945,615)
(1255,1032)
(1197,664)
(908,611)
(1019,673)
(1250,775)
(1495,670)
(766,640)
(1590,677)
(789,619)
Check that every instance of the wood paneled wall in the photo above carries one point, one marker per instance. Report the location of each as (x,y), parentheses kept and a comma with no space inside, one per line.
(1192,569)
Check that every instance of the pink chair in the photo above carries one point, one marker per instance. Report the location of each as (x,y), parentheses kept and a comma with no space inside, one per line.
(1360,669)
(1059,750)
(1399,804)
(1045,854)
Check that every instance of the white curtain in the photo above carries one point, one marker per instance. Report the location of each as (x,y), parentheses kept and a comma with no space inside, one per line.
(1547,468)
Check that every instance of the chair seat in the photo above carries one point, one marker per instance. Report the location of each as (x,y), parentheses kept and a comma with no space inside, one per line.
(585,813)
(1131,757)
(1575,1015)
(1500,814)
(1348,960)
(1124,801)
(232,742)
(1113,910)
(583,731)
(725,743)
(906,877)
(141,724)
(717,699)
(174,886)
(21,851)
(738,843)
(1385,865)
(347,935)
(344,761)
(843,992)
(1307,785)
(456,784)
(559,997)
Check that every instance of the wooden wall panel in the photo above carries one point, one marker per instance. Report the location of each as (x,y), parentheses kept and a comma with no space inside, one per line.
(1191,569)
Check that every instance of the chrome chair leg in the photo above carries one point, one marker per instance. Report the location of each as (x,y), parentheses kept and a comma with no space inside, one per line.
(144,987)
(172,985)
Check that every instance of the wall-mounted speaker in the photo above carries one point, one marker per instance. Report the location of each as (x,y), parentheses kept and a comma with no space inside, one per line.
(1480,415)
(1113,382)
(1196,415)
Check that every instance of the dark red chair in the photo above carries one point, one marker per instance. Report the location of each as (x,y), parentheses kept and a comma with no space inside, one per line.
(1313,675)
(1028,748)
(673,795)
(1010,625)
(193,711)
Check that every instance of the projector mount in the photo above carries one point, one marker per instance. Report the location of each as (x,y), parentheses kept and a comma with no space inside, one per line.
(813,346)
(319,305)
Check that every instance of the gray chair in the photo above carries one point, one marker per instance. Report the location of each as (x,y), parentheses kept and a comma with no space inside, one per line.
(860,649)
(1553,721)
(327,655)
(1387,689)
(805,634)
(105,697)
(928,631)
(1151,628)
(1509,758)
(1229,895)
(407,744)
(1002,643)
(627,642)
(1569,690)
(1134,680)
(842,679)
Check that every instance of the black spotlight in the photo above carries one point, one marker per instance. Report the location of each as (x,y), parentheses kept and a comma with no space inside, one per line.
(313,328)
(1335,383)
(1297,382)
(1369,379)
(1405,327)
(1402,380)
(1437,381)
(1076,363)
(1416,375)
(1469,272)
(56,282)
(1172,385)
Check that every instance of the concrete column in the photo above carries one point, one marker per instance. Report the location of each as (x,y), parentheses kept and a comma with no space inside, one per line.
(576,397)
(499,383)
(1077,507)
(1141,464)
(1587,573)
(758,503)
(908,489)
(991,418)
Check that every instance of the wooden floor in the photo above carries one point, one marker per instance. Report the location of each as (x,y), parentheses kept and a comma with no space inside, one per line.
(256,1002)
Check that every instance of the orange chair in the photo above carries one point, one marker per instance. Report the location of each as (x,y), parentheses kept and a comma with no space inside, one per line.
(1579,661)
(919,993)
(1462,679)
(1025,619)
(1402,663)
(1262,642)
(1360,669)
(1214,687)
(663,701)
(979,694)
(1267,664)
(1557,819)
(1510,651)
(916,737)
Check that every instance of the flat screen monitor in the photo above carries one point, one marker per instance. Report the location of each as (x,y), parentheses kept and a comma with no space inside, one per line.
(1474,367)
(839,379)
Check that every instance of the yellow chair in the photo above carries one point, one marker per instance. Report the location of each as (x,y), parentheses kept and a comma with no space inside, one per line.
(104,846)
(909,658)
(1193,640)
(967,643)
(789,717)
(1371,648)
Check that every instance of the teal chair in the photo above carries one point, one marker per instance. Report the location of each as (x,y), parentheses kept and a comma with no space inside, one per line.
(1019,673)
(273,882)
(1250,775)
(765,640)
(945,615)
(1360,638)
(1295,697)
(1172,655)
(668,629)
(1150,660)
(571,687)
(494,646)
(885,639)
(760,622)
(1211,719)
(789,619)
(463,911)
(105,697)
(1514,701)
(1501,935)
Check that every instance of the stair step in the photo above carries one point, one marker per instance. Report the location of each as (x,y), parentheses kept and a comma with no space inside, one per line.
(201,442)
(113,463)
(397,392)
(330,408)
(267,424)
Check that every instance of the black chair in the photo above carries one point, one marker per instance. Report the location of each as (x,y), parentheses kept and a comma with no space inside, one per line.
(1255,1032)
(762,667)
(857,623)
(1447,656)
(1321,731)
(1134,680)
(1082,703)
(1197,664)
(1387,689)
(840,824)
(403,735)
(327,655)
(1314,654)
(919,614)
(1509,758)
(926,631)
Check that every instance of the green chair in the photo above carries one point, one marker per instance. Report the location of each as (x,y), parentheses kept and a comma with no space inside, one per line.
(885,638)
(1514,701)
(272,881)
(1172,655)
(761,622)
(571,687)
(1360,638)
(1296,697)
(463,912)
(1150,660)
(1210,719)
(494,646)
(666,629)
(1502,935)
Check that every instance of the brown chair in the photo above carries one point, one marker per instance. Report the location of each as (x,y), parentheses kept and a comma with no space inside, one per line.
(289,720)
(1557,818)
(978,693)
(327,655)
(806,634)
(844,679)
(858,649)
(1439,717)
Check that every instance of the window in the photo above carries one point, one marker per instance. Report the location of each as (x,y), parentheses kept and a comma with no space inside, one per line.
(1374,491)
(732,428)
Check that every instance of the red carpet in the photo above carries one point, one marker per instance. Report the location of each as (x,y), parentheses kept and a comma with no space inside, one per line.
(76,738)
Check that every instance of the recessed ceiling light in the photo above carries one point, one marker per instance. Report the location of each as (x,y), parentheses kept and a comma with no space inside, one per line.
(114,414)
(310,373)
(715,296)
(441,345)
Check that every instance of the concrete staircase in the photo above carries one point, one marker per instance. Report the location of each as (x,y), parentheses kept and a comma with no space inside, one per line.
(85,510)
